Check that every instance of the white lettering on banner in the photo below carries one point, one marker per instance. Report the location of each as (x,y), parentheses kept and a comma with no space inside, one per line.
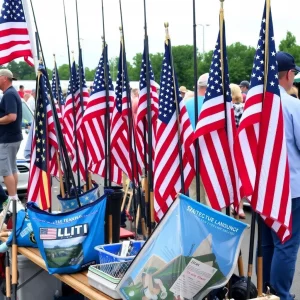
(73,231)
(211,220)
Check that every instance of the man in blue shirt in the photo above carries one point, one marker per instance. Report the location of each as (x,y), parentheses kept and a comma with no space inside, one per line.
(190,106)
(190,103)
(279,259)
(10,132)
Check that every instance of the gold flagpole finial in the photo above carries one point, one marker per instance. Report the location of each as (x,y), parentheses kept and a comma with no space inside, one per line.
(166,24)
(54,58)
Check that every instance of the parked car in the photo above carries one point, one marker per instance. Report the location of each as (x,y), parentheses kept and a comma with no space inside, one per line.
(22,163)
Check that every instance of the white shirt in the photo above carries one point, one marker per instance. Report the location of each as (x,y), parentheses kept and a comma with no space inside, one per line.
(31,103)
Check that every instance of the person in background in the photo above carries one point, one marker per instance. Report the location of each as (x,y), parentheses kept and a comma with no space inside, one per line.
(26,97)
(238,109)
(189,104)
(237,100)
(21,91)
(31,101)
(244,86)
(294,92)
(279,259)
(10,132)
(134,103)
(183,91)
(188,95)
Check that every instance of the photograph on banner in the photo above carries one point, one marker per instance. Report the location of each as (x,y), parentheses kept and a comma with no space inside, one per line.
(192,251)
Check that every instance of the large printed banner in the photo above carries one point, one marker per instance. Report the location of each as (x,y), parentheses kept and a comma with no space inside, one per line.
(192,251)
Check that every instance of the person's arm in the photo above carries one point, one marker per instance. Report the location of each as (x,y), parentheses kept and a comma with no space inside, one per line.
(8,119)
(10,107)
(296,124)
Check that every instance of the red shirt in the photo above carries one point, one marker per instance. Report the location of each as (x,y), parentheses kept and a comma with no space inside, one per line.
(21,94)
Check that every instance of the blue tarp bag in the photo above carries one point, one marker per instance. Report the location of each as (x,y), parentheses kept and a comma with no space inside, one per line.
(25,235)
(68,204)
(67,240)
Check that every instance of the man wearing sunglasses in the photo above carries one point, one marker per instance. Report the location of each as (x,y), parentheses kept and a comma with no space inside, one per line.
(279,260)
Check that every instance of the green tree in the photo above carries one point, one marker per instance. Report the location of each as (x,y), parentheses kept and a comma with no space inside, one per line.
(63,72)
(240,61)
(89,74)
(113,66)
(22,70)
(289,45)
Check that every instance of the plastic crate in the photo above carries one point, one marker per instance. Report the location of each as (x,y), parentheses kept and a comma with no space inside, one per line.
(109,253)
(112,272)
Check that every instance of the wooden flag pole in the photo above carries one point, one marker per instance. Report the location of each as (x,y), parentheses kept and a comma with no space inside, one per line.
(107,125)
(132,154)
(73,102)
(259,219)
(61,182)
(168,41)
(62,187)
(81,71)
(137,191)
(196,142)
(149,196)
(7,276)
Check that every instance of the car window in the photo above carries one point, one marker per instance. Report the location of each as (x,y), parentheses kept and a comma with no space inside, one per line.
(27,116)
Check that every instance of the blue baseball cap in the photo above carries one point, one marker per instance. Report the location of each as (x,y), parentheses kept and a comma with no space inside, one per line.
(286,62)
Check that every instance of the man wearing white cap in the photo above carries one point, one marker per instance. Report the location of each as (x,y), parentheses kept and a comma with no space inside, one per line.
(190,103)
(10,132)
(190,106)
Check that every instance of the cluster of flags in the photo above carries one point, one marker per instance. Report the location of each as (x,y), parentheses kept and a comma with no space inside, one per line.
(102,138)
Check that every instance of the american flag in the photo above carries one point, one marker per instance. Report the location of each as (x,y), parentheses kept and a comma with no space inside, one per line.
(121,149)
(59,105)
(93,125)
(142,120)
(57,90)
(260,146)
(216,117)
(69,112)
(48,233)
(82,154)
(39,187)
(14,37)
(167,175)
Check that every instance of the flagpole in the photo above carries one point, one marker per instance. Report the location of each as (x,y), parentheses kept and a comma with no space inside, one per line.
(259,219)
(177,110)
(32,40)
(133,154)
(80,67)
(62,188)
(73,101)
(61,145)
(107,112)
(221,25)
(196,142)
(150,195)
(56,83)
